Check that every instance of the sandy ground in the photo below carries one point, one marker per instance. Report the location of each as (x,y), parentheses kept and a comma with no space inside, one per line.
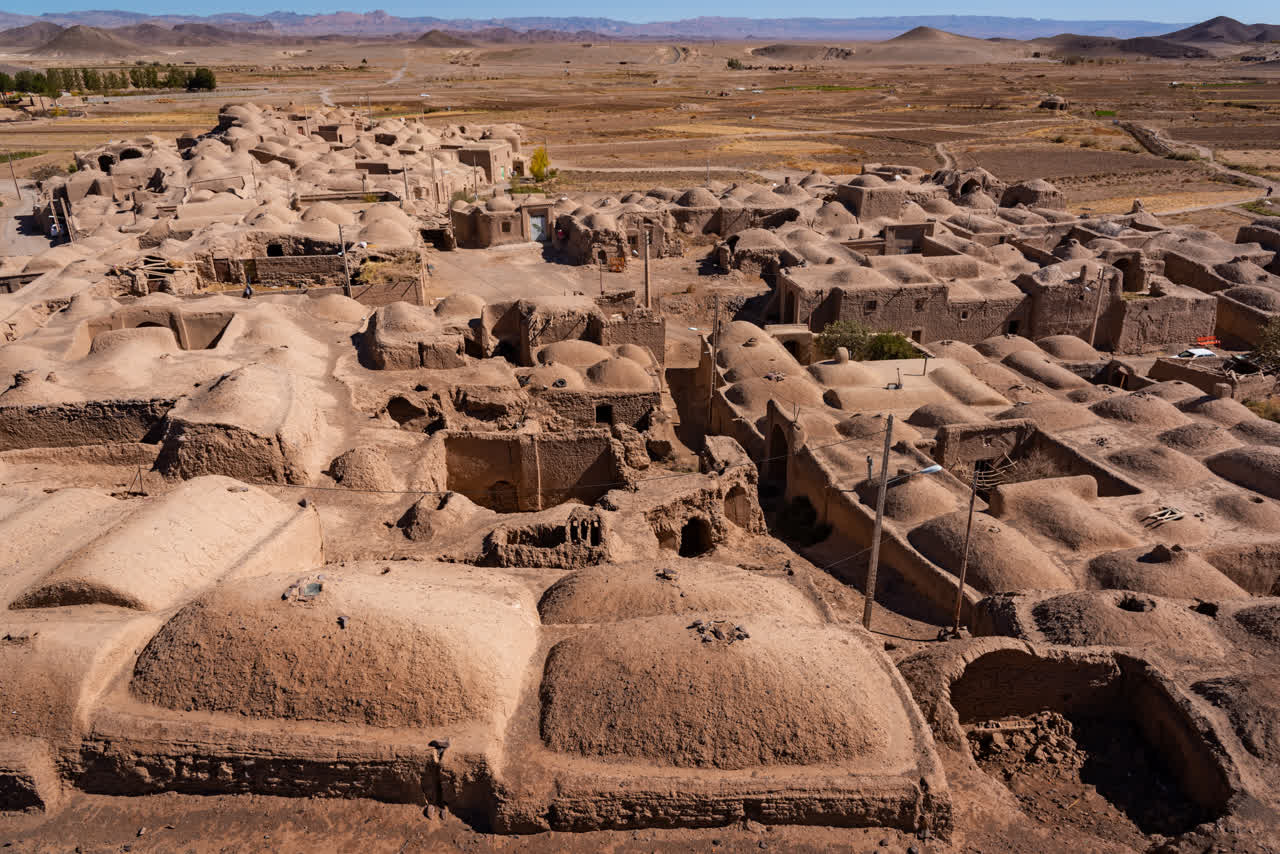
(669,112)
(621,117)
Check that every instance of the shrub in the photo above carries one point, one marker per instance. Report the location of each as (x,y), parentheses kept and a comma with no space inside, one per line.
(47,171)
(843,333)
(1267,351)
(734,63)
(540,163)
(1268,408)
(888,345)
(863,344)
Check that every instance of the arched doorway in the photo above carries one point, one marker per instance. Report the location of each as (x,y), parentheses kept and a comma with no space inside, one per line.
(695,537)
(737,506)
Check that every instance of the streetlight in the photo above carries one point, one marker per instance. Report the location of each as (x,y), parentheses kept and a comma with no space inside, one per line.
(870,596)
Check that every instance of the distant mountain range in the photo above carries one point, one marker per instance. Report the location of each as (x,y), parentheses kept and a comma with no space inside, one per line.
(381,24)
(99,33)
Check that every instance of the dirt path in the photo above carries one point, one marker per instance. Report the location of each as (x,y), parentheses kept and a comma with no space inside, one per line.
(948,159)
(18,233)
(1207,155)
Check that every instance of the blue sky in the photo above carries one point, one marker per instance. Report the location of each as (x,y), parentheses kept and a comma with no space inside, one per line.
(1249,11)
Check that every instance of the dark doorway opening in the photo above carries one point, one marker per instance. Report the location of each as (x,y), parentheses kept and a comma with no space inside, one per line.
(275,250)
(604,413)
(695,537)
(1012,328)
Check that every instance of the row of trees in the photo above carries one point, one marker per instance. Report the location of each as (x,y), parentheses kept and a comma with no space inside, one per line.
(55,81)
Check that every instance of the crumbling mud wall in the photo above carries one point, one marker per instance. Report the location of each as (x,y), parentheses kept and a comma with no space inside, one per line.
(88,423)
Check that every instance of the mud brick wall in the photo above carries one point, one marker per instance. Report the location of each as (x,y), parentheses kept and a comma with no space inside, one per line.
(298,270)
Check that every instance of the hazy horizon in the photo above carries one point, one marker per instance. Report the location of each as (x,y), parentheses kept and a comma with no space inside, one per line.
(1179,12)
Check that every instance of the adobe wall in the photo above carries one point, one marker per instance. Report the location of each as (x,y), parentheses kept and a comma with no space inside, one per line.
(643,328)
(1239,325)
(923,311)
(630,409)
(965,444)
(1207,375)
(840,508)
(1069,309)
(296,270)
(531,471)
(1153,323)
(89,423)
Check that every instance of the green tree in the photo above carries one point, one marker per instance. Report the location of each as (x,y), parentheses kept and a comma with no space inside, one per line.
(6,82)
(29,81)
(843,333)
(175,78)
(863,344)
(540,164)
(203,78)
(734,63)
(91,79)
(888,345)
(138,77)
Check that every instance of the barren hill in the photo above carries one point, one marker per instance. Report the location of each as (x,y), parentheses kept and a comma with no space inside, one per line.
(1227,30)
(183,35)
(441,38)
(929,34)
(30,35)
(803,52)
(83,42)
(1071,44)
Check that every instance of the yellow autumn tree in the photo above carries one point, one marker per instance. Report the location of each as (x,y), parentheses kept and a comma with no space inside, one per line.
(540,164)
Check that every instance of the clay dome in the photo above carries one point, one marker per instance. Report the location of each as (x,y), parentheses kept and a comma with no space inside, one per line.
(1162,571)
(357,648)
(1256,296)
(578,354)
(1256,468)
(793,695)
(698,197)
(620,374)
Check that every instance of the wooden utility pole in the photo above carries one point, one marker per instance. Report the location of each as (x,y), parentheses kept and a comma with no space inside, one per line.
(715,346)
(346,266)
(66,218)
(13,175)
(404,172)
(874,566)
(648,298)
(1097,312)
(964,560)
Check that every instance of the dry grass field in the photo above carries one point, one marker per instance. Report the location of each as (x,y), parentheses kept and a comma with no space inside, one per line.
(674,112)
